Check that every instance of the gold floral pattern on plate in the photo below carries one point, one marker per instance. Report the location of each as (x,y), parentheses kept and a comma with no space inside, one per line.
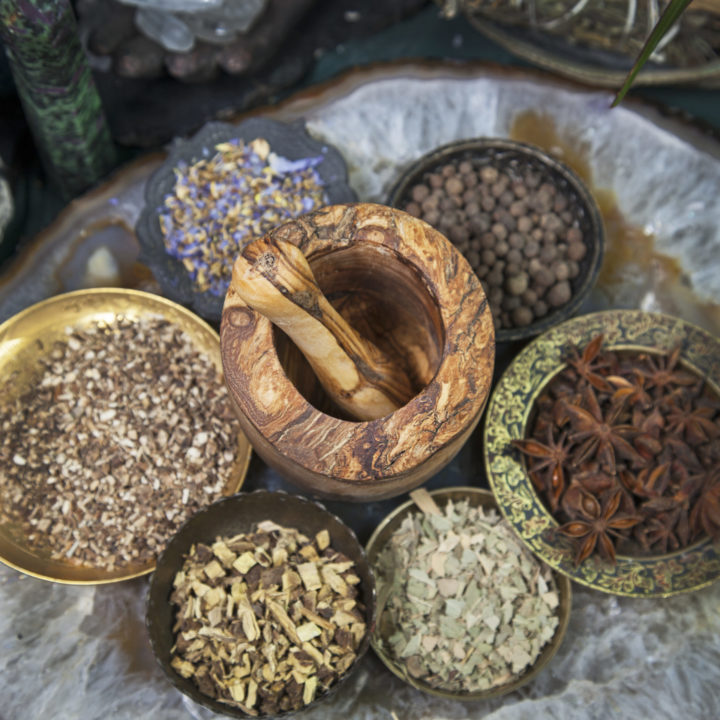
(509,411)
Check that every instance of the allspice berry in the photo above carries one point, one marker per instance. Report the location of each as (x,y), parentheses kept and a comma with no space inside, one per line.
(576,250)
(454,186)
(419,193)
(517,284)
(522,316)
(520,232)
(560,294)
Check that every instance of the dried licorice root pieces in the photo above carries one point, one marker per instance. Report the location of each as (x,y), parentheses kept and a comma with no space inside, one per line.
(126,433)
(220,204)
(266,621)
(469,607)
(624,448)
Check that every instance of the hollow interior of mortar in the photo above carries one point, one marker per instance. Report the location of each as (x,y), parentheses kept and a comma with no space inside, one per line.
(385,299)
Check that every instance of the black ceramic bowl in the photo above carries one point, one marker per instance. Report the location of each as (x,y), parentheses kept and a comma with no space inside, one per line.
(514,159)
(290,141)
(231,516)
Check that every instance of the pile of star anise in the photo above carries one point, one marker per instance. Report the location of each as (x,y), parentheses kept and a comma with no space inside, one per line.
(624,448)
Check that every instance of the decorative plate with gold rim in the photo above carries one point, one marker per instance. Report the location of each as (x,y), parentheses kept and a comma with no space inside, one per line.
(510,409)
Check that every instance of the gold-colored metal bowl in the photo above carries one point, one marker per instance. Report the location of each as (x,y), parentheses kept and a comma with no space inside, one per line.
(232,516)
(29,336)
(510,410)
(477,497)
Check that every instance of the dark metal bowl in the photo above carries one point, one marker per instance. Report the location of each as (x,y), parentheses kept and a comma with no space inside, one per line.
(476,497)
(232,516)
(288,140)
(504,154)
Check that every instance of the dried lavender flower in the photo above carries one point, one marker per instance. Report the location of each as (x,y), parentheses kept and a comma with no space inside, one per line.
(220,204)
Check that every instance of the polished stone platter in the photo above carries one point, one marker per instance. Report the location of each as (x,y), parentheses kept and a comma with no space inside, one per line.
(661,172)
(82,652)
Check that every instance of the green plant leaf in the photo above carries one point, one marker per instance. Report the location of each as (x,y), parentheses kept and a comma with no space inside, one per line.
(670,15)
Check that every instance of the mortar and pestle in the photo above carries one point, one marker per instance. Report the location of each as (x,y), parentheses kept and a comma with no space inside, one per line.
(397,346)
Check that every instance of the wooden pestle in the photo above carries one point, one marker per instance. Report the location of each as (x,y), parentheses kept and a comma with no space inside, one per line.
(274,278)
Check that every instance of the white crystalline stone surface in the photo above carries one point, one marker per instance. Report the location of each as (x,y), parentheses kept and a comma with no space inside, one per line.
(232,17)
(171,32)
(174,23)
(82,653)
(663,182)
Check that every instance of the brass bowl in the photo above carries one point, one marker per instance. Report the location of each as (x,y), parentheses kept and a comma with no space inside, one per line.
(504,154)
(231,516)
(29,335)
(477,497)
(511,408)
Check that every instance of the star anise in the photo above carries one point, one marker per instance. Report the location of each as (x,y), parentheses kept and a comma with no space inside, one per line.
(705,514)
(631,391)
(590,480)
(659,533)
(653,481)
(622,438)
(683,452)
(588,364)
(709,453)
(548,461)
(595,526)
(651,423)
(661,373)
(694,422)
(600,435)
(648,446)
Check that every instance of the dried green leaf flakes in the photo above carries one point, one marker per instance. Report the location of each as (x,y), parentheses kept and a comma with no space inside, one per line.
(471,609)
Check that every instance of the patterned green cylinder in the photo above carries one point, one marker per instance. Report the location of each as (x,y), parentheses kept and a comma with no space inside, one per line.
(56,87)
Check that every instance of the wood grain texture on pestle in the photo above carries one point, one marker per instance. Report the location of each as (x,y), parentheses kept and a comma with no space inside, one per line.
(274,278)
(400,261)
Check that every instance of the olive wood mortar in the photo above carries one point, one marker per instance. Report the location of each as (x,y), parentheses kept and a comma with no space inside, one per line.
(402,286)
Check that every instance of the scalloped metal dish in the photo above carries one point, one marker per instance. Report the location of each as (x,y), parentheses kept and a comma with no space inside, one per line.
(23,340)
(286,139)
(508,413)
